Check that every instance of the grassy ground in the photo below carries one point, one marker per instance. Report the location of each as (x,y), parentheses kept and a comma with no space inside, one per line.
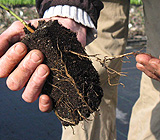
(18,2)
(32,2)
(136,2)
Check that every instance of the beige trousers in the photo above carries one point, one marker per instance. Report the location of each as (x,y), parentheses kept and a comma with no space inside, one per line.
(145,118)
(111,41)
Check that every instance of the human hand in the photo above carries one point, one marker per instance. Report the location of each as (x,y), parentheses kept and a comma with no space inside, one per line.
(25,68)
(149,65)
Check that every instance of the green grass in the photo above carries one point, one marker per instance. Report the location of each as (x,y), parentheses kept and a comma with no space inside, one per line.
(18,2)
(32,2)
(136,2)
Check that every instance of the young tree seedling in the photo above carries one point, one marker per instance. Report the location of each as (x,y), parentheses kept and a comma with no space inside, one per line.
(16,16)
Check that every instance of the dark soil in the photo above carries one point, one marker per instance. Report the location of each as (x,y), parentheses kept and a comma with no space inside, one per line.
(73,83)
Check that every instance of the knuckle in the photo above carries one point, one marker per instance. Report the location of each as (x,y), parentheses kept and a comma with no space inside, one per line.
(15,54)
(36,56)
(36,85)
(20,48)
(16,24)
(42,71)
(25,68)
(11,58)
(29,64)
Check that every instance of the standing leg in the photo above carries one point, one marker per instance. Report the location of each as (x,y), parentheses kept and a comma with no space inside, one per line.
(111,41)
(145,118)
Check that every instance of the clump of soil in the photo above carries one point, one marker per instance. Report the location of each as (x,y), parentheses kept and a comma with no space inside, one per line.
(73,83)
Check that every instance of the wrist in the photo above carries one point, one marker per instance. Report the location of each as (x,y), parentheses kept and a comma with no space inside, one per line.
(77,14)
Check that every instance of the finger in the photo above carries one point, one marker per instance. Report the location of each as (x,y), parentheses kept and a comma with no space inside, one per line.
(45,103)
(140,67)
(147,72)
(155,65)
(11,58)
(19,77)
(152,75)
(12,35)
(81,36)
(143,58)
(35,84)
(152,65)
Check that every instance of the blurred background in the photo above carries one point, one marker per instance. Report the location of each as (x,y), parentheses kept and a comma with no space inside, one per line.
(22,121)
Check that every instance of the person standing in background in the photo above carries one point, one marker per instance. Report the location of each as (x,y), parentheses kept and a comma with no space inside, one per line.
(145,118)
(111,41)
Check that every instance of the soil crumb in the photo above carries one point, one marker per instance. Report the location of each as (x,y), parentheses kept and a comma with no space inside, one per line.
(73,83)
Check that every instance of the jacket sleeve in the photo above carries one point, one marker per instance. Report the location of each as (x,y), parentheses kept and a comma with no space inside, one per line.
(92,7)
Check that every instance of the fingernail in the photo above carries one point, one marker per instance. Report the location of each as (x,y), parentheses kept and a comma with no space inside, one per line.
(41,71)
(44,102)
(35,57)
(19,49)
